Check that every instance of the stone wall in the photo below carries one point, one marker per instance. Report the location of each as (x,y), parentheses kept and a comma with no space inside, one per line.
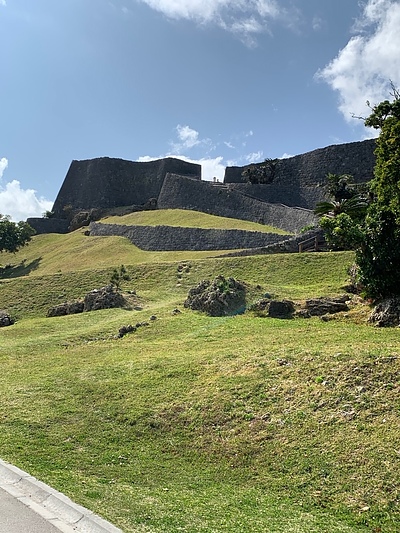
(292,196)
(48,225)
(183,193)
(287,246)
(107,183)
(169,238)
(299,180)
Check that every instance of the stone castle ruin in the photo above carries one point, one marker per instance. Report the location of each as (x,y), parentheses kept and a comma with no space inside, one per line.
(280,193)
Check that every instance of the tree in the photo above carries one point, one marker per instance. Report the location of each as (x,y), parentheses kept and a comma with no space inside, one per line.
(386,183)
(378,257)
(261,173)
(340,186)
(355,207)
(341,217)
(14,235)
(341,232)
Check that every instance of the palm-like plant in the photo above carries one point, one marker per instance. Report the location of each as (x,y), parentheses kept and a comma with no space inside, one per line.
(355,207)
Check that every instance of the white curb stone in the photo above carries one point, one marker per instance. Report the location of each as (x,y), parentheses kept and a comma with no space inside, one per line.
(52,505)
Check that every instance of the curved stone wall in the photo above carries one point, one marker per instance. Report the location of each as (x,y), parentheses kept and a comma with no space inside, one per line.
(169,238)
(183,193)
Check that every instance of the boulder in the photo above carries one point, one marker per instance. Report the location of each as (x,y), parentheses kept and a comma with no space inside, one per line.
(124,330)
(5,319)
(386,313)
(281,309)
(323,306)
(66,308)
(105,298)
(220,297)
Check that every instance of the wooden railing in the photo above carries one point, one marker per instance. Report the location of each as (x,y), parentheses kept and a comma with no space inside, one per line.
(313,244)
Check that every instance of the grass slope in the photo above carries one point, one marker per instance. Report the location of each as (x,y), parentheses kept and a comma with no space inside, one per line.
(189,219)
(195,423)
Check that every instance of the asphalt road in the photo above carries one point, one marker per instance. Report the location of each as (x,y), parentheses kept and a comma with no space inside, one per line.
(29,506)
(15,517)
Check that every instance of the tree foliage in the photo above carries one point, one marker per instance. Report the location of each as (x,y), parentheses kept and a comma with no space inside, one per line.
(341,232)
(378,257)
(14,235)
(355,207)
(342,216)
(340,186)
(386,183)
(260,173)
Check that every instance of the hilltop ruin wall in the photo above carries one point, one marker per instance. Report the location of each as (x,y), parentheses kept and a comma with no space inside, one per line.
(105,182)
(293,183)
(184,193)
(299,180)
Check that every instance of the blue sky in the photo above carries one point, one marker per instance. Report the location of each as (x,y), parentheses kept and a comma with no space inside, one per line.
(221,82)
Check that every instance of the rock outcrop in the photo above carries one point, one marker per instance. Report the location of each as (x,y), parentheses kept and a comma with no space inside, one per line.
(386,313)
(220,297)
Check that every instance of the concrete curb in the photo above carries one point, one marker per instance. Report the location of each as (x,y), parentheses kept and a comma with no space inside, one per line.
(52,505)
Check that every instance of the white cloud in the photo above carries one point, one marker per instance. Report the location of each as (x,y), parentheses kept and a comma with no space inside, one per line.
(3,166)
(3,3)
(285,156)
(188,138)
(243,17)
(254,157)
(317,23)
(371,58)
(229,144)
(20,203)
(211,167)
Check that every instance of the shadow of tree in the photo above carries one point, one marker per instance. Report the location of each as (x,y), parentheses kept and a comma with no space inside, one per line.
(16,271)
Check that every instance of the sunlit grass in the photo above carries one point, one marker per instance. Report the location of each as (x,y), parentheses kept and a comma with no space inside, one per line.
(194,423)
(189,219)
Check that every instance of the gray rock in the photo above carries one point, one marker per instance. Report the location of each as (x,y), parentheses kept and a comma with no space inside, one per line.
(104,298)
(281,309)
(323,306)
(5,319)
(386,313)
(220,297)
(66,308)
(126,329)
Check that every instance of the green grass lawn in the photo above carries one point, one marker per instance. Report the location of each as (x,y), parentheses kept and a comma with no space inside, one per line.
(189,219)
(193,423)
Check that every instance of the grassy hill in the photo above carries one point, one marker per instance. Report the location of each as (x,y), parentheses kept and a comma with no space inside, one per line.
(193,423)
(189,219)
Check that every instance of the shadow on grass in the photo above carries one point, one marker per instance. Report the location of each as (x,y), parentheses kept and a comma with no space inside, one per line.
(16,271)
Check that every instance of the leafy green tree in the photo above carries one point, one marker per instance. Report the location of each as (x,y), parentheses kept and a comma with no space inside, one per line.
(386,183)
(341,232)
(378,257)
(340,217)
(340,186)
(14,235)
